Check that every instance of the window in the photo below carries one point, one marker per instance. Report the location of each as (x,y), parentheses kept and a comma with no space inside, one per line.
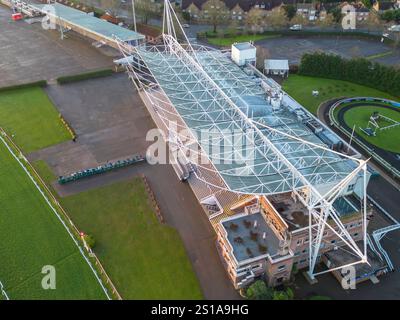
(282,267)
(333,241)
(351,187)
(356,234)
(299,242)
(304,251)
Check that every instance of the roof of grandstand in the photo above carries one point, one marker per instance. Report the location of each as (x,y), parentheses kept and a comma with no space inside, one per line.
(258,158)
(88,22)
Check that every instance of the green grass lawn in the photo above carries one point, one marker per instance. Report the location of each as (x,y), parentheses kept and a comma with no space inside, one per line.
(31,236)
(31,119)
(301,87)
(385,139)
(145,259)
(229,40)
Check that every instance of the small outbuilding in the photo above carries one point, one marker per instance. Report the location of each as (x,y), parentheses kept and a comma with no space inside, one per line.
(244,53)
(276,67)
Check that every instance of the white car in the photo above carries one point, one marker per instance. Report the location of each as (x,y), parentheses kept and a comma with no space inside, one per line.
(296,27)
(185,25)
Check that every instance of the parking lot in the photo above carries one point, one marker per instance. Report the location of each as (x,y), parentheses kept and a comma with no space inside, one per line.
(292,48)
(30,53)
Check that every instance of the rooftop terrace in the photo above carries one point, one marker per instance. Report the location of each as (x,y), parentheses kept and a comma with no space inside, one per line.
(295,214)
(250,237)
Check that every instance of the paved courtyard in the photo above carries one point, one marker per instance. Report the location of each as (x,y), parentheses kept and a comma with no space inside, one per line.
(30,53)
(292,48)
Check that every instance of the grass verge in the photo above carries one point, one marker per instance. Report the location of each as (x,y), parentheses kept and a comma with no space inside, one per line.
(30,118)
(301,87)
(32,237)
(145,259)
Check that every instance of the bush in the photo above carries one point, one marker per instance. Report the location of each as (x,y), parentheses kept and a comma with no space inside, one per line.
(41,83)
(85,76)
(259,291)
(287,294)
(357,70)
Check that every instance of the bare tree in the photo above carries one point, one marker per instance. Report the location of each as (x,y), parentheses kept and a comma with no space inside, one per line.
(299,19)
(111,6)
(255,19)
(373,21)
(147,9)
(215,13)
(262,54)
(276,18)
(328,21)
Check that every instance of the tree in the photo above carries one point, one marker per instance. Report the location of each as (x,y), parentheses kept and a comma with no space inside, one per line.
(216,13)
(299,19)
(276,18)
(111,6)
(328,21)
(336,12)
(391,16)
(290,11)
(146,10)
(259,291)
(254,19)
(367,3)
(373,21)
(262,54)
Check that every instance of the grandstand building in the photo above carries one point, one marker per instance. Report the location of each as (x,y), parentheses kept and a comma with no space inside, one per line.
(276,184)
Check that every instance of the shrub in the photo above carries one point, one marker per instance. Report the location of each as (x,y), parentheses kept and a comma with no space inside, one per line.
(41,83)
(85,76)
(258,291)
(358,70)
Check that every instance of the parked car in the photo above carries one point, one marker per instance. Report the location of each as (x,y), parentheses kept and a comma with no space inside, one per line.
(296,27)
(185,25)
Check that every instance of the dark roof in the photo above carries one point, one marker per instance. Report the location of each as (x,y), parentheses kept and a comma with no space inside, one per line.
(148,30)
(245,5)
(197,3)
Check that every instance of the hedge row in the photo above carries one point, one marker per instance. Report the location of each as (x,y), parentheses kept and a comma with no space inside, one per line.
(41,83)
(357,70)
(84,76)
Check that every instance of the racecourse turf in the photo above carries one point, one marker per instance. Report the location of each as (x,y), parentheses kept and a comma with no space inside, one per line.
(388,139)
(144,258)
(31,237)
(31,119)
(301,88)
